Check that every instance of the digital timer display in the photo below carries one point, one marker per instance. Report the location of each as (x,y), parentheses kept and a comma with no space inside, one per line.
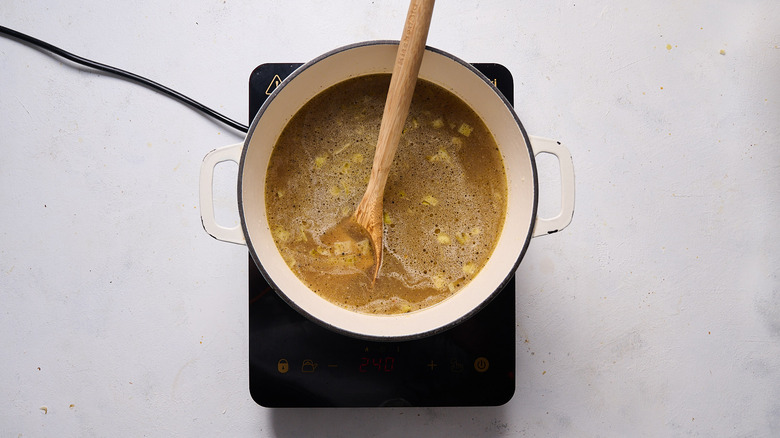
(376,364)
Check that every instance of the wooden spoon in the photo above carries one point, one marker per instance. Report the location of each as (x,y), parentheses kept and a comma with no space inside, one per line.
(399,97)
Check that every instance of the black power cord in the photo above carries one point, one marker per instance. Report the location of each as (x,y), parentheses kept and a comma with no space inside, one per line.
(125,75)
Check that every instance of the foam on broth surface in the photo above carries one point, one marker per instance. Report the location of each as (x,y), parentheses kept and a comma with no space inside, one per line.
(444,202)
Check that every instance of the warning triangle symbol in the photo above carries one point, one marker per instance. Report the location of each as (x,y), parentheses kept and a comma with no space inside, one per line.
(274,83)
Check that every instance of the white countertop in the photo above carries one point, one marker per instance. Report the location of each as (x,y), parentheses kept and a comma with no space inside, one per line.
(655,313)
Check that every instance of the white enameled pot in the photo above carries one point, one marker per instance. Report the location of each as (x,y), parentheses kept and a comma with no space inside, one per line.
(517,148)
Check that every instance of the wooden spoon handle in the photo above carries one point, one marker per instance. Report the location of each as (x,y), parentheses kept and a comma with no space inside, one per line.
(399,96)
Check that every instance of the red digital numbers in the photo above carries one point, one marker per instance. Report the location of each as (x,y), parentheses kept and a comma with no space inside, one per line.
(376,364)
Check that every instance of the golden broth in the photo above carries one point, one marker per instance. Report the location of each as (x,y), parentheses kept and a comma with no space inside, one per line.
(444,202)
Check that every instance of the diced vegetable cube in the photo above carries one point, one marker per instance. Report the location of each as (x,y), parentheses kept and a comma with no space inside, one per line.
(441,155)
(470,268)
(438,123)
(320,250)
(320,161)
(281,234)
(290,260)
(364,247)
(465,129)
(430,201)
(343,248)
(443,239)
(301,236)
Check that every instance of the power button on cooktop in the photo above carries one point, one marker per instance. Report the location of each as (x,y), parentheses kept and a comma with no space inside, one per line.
(481,364)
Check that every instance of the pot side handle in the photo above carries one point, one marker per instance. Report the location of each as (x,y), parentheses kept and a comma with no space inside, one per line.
(207,217)
(544,226)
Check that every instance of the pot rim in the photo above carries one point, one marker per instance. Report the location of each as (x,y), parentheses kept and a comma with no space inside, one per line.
(366,336)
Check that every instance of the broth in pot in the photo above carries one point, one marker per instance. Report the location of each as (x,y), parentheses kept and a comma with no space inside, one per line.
(444,203)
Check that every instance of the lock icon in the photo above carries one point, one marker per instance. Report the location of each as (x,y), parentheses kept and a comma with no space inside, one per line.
(283,366)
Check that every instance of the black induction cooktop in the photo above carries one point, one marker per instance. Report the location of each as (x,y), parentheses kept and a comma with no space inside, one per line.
(294,362)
